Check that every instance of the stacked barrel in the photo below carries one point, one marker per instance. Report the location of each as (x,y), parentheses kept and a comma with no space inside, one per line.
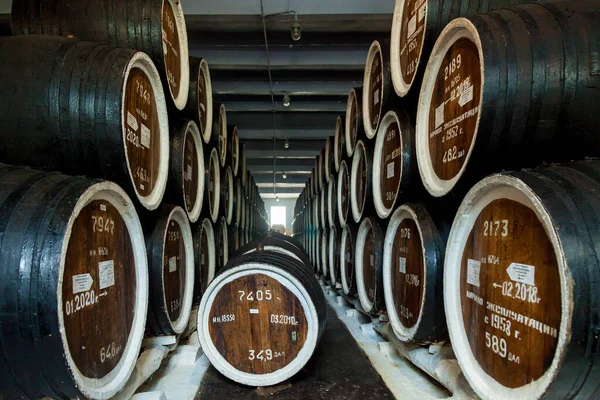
(505,267)
(125,238)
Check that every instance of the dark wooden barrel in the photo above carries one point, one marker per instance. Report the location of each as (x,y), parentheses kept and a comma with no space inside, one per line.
(324,253)
(368,259)
(361,181)
(205,255)
(74,286)
(339,142)
(378,96)
(228,195)
(354,127)
(523,271)
(323,207)
(509,99)
(170,249)
(157,28)
(244,210)
(343,194)
(333,254)
(327,158)
(331,201)
(238,203)
(242,170)
(85,108)
(234,240)
(394,161)
(186,169)
(234,143)
(219,132)
(321,170)
(413,271)
(199,106)
(347,259)
(278,243)
(317,252)
(222,242)
(212,185)
(268,289)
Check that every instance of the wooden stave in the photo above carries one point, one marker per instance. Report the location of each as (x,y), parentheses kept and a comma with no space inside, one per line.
(327,157)
(348,239)
(45,201)
(378,305)
(320,170)
(211,164)
(276,242)
(332,214)
(338,142)
(334,256)
(191,110)
(227,198)
(368,206)
(90,22)
(204,227)
(344,174)
(159,321)
(222,243)
(553,21)
(355,95)
(551,198)
(237,220)
(234,142)
(242,170)
(219,133)
(174,193)
(111,63)
(408,160)
(324,254)
(323,207)
(431,324)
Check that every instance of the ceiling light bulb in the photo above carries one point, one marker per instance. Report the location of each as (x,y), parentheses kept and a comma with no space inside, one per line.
(286,144)
(277,198)
(286,100)
(284,175)
(296,30)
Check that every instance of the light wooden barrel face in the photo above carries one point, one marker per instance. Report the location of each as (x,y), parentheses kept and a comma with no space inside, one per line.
(375,89)
(174,270)
(202,99)
(390,165)
(369,266)
(412,34)
(171,48)
(98,289)
(454,108)
(142,129)
(510,294)
(408,273)
(191,175)
(257,324)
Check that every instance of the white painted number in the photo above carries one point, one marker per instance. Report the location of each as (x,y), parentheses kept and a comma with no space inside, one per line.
(103,225)
(492,228)
(260,295)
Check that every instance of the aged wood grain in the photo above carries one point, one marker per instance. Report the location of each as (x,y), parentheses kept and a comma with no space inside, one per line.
(171,48)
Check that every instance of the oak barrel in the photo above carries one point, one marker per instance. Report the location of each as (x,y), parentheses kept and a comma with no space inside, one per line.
(353,125)
(238,203)
(328,158)
(228,195)
(199,106)
(368,261)
(85,108)
(278,243)
(413,260)
(242,169)
(222,242)
(347,259)
(212,185)
(263,289)
(155,27)
(205,255)
(324,207)
(521,284)
(219,132)
(343,193)
(324,253)
(339,143)
(74,287)
(334,256)
(361,181)
(170,249)
(234,145)
(332,213)
(320,170)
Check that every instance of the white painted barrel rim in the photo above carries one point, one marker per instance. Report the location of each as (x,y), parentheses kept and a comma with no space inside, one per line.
(359,249)
(400,85)
(351,100)
(331,196)
(184,84)
(337,158)
(389,118)
(343,171)
(230,190)
(294,286)
(207,227)
(359,151)
(457,29)
(374,50)
(483,193)
(142,61)
(179,216)
(207,130)
(331,253)
(192,129)
(107,386)
(214,208)
(402,332)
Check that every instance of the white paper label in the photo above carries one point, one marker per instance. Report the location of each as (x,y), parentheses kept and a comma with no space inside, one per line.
(412,26)
(82,283)
(390,170)
(422,11)
(473,270)
(106,274)
(439,115)
(254,311)
(402,263)
(145,136)
(172,264)
(132,121)
(466,96)
(102,207)
(522,273)
(376,97)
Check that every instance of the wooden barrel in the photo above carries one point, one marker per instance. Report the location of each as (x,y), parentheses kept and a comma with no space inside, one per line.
(85,108)
(332,213)
(74,286)
(378,95)
(238,192)
(157,28)
(234,143)
(521,277)
(333,255)
(278,243)
(368,260)
(327,158)
(222,242)
(323,208)
(219,132)
(354,128)
(212,185)
(394,161)
(244,209)
(228,195)
(271,290)
(233,240)
(199,106)
(321,170)
(170,249)
(347,259)
(186,169)
(507,99)
(243,169)
(317,252)
(413,260)
(361,181)
(205,255)
(324,253)
(343,194)
(316,214)
(339,143)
